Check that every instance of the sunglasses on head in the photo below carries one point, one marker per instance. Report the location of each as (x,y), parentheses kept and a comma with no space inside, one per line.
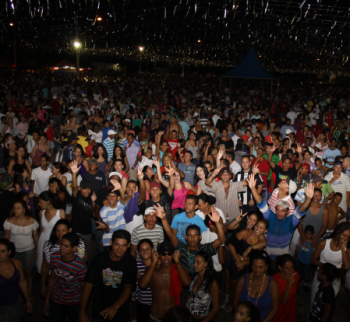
(166,253)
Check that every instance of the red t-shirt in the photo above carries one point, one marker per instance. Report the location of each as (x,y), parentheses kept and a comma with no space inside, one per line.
(329,119)
(56,108)
(286,312)
(173,146)
(264,167)
(88,150)
(49,134)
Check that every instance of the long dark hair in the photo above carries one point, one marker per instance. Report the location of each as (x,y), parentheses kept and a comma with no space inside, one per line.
(52,198)
(209,272)
(18,177)
(60,166)
(62,188)
(122,155)
(9,245)
(53,236)
(205,170)
(339,230)
(104,154)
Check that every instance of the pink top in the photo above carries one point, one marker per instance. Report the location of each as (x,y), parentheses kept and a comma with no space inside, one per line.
(41,115)
(179,197)
(22,128)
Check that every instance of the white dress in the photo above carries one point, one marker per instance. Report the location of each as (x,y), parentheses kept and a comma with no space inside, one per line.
(45,236)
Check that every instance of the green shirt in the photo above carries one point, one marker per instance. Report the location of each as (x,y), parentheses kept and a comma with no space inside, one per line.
(326,189)
(275,160)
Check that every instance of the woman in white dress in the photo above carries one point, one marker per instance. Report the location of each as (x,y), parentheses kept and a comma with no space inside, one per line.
(49,215)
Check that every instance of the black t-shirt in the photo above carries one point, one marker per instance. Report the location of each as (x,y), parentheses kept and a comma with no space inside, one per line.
(324,295)
(228,144)
(344,138)
(97,180)
(101,195)
(82,212)
(109,278)
(35,126)
(283,175)
(7,199)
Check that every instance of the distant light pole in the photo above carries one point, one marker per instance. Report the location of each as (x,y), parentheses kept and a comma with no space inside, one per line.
(141,50)
(77,46)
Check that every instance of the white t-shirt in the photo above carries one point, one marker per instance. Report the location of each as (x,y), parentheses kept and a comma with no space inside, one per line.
(201,214)
(209,237)
(69,177)
(41,179)
(292,116)
(135,222)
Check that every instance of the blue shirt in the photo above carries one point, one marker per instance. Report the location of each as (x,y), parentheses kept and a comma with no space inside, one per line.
(305,252)
(181,222)
(104,132)
(330,155)
(185,128)
(284,128)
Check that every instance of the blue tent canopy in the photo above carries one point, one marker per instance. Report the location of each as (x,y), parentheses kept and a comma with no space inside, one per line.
(250,67)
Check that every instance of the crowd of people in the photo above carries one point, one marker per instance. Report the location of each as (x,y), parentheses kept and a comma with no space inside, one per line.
(155,196)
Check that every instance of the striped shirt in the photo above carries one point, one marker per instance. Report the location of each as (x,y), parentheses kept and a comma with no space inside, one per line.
(109,145)
(156,235)
(49,249)
(69,275)
(341,185)
(142,296)
(115,219)
(280,230)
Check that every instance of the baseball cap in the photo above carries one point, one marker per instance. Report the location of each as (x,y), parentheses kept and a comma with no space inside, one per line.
(292,186)
(116,174)
(338,163)
(85,184)
(315,179)
(156,185)
(224,169)
(244,137)
(127,120)
(306,166)
(289,131)
(149,210)
(111,132)
(166,247)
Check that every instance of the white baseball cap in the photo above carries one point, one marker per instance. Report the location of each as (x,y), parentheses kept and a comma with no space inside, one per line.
(111,132)
(149,210)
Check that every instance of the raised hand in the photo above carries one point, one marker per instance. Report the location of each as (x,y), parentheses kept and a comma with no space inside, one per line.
(154,257)
(115,184)
(160,213)
(251,181)
(256,169)
(273,149)
(140,173)
(215,216)
(176,256)
(170,171)
(239,218)
(74,166)
(217,170)
(309,190)
(299,148)
(220,154)
(156,162)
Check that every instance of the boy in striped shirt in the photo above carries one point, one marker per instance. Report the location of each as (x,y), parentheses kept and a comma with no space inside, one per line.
(65,282)
(112,216)
(109,143)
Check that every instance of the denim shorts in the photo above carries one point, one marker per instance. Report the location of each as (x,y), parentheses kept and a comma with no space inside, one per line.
(27,259)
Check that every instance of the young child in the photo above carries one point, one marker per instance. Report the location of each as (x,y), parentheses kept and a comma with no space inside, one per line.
(333,211)
(303,175)
(320,169)
(303,255)
(324,301)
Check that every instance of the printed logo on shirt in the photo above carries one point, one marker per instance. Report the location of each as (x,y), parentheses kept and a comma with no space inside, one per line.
(112,278)
(99,178)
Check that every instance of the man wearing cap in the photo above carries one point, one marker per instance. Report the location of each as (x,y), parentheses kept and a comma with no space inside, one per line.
(166,280)
(105,130)
(281,226)
(68,151)
(226,192)
(111,216)
(340,182)
(147,230)
(82,207)
(109,144)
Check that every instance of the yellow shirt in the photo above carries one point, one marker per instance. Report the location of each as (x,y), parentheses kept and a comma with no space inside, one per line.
(82,141)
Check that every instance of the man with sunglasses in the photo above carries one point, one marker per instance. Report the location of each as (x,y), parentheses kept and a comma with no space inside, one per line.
(193,237)
(166,280)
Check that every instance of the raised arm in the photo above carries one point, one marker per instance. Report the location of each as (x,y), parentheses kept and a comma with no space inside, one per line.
(145,279)
(309,193)
(215,217)
(269,160)
(160,213)
(159,174)
(75,169)
(300,157)
(252,186)
(209,180)
(183,274)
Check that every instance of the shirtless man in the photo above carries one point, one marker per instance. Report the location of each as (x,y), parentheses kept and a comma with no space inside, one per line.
(333,211)
(159,279)
(174,126)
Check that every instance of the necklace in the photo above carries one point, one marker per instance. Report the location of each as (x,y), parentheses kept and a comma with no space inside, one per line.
(163,273)
(262,285)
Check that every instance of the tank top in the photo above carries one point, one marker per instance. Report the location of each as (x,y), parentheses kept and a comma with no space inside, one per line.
(18,166)
(82,169)
(37,155)
(194,151)
(9,288)
(102,166)
(329,256)
(314,220)
(179,197)
(264,301)
(199,302)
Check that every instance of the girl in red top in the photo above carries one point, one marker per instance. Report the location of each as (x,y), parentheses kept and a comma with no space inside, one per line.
(288,283)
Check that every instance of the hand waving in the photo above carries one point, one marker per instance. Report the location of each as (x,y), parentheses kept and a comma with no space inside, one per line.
(140,173)
(160,213)
(256,169)
(115,184)
(215,216)
(74,167)
(251,181)
(309,190)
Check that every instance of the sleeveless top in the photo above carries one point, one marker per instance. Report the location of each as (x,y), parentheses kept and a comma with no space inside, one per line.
(37,155)
(179,197)
(82,170)
(264,301)
(9,288)
(102,166)
(329,256)
(17,166)
(199,302)
(314,220)
(194,151)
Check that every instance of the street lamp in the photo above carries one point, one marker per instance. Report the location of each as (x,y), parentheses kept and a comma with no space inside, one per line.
(141,50)
(77,46)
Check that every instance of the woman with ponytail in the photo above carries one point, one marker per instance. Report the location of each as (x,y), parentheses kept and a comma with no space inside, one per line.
(203,301)
(50,204)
